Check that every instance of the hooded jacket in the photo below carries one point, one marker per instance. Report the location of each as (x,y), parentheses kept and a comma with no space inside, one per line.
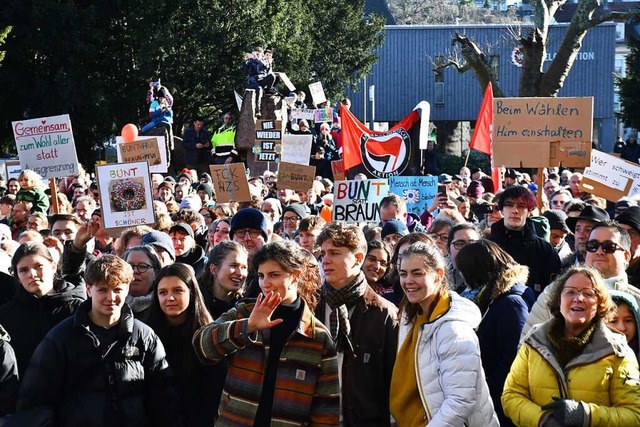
(604,376)
(619,296)
(27,318)
(449,371)
(89,383)
(196,258)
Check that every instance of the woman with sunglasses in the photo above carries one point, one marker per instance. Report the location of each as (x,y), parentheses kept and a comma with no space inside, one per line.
(282,360)
(573,370)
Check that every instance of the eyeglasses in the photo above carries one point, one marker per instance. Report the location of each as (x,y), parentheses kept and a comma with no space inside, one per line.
(459,244)
(444,237)
(587,293)
(141,268)
(608,247)
(252,232)
(291,219)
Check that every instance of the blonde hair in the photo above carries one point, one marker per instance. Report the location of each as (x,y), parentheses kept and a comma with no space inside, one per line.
(32,177)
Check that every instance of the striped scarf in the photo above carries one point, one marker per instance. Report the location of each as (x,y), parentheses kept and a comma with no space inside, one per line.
(340,301)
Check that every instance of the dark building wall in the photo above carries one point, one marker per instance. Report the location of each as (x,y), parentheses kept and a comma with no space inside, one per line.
(404,74)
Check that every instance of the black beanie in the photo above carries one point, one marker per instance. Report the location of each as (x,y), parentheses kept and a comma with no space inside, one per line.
(249,218)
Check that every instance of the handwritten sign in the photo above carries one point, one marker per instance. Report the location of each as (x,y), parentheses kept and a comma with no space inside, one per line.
(286,81)
(46,146)
(337,168)
(296,148)
(13,170)
(149,148)
(317,93)
(296,177)
(417,191)
(125,194)
(323,115)
(268,141)
(303,113)
(230,182)
(611,177)
(359,201)
(542,119)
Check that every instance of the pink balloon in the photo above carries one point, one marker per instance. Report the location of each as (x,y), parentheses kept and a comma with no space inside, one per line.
(129,132)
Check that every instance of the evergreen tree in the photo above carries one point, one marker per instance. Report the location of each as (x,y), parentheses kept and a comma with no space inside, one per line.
(630,87)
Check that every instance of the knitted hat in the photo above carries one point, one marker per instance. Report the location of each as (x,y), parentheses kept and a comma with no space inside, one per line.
(393,226)
(512,173)
(166,184)
(541,225)
(182,227)
(444,179)
(186,175)
(475,189)
(206,188)
(591,213)
(206,177)
(159,240)
(630,217)
(557,220)
(297,208)
(249,218)
(170,179)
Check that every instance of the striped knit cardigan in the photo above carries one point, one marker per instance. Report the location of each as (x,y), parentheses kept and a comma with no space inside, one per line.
(307,387)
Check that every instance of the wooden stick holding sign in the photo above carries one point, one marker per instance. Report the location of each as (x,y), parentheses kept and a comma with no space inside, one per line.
(54,196)
(230,182)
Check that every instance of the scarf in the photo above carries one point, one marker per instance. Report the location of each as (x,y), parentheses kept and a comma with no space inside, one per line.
(139,304)
(568,348)
(340,301)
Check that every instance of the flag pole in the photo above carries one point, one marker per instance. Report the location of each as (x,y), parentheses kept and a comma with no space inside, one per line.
(467,159)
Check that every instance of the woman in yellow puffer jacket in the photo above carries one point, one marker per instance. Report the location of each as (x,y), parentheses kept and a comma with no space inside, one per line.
(572,370)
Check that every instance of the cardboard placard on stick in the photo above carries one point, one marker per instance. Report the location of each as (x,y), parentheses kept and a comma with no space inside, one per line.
(286,81)
(337,167)
(570,154)
(296,177)
(150,148)
(46,146)
(317,93)
(521,154)
(303,113)
(268,146)
(230,182)
(359,201)
(13,169)
(610,177)
(323,115)
(126,197)
(296,148)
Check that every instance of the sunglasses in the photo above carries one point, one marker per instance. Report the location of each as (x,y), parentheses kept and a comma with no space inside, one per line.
(607,247)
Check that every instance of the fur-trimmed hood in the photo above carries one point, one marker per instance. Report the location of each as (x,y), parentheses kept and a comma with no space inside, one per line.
(514,275)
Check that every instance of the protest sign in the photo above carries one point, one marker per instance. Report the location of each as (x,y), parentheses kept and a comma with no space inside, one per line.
(296,148)
(302,113)
(295,177)
(286,81)
(359,201)
(230,182)
(46,146)
(238,100)
(126,197)
(150,148)
(321,115)
(520,125)
(610,177)
(268,141)
(13,169)
(417,191)
(337,168)
(317,93)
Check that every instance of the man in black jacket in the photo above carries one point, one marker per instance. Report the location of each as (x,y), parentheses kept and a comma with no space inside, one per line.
(516,235)
(101,367)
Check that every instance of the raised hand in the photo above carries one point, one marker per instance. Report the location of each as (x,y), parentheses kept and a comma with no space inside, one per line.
(260,318)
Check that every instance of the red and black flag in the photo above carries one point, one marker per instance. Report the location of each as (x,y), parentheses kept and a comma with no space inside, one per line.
(384,154)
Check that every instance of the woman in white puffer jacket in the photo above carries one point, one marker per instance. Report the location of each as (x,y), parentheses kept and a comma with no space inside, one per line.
(438,377)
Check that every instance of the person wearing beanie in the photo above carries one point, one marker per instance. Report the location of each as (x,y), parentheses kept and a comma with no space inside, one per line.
(558,233)
(205,178)
(186,250)
(250,228)
(163,245)
(475,190)
(291,217)
(192,202)
(165,191)
(205,192)
(629,219)
(392,231)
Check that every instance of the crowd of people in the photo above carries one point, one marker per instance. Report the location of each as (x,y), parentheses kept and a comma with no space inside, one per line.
(486,309)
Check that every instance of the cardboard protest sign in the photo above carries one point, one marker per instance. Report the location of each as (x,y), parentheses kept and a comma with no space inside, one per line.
(46,146)
(317,93)
(149,148)
(126,197)
(520,124)
(238,100)
(610,177)
(230,182)
(358,201)
(286,81)
(303,113)
(296,148)
(295,177)
(417,191)
(321,115)
(13,169)
(268,140)
(337,168)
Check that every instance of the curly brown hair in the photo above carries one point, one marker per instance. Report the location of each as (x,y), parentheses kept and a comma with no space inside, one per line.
(605,303)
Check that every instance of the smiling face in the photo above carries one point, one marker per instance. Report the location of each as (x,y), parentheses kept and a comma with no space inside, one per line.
(174,297)
(107,302)
(578,304)
(273,278)
(375,265)
(35,274)
(420,284)
(232,273)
